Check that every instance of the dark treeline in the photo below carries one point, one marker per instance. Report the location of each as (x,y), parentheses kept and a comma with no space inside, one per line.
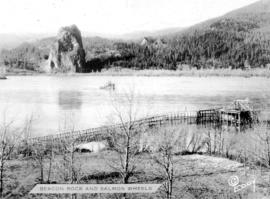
(26,56)
(225,43)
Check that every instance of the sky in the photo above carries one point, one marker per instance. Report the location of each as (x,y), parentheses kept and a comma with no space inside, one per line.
(113,17)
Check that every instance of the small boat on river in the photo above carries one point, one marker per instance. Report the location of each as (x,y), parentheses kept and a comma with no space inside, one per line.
(108,86)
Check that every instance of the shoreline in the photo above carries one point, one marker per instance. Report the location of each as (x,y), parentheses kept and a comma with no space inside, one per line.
(157,73)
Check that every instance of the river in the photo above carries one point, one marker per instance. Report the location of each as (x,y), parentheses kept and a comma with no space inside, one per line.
(58,103)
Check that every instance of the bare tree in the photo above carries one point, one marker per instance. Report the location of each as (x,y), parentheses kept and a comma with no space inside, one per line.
(10,137)
(125,137)
(265,138)
(51,157)
(69,164)
(38,153)
(164,157)
(260,141)
(38,158)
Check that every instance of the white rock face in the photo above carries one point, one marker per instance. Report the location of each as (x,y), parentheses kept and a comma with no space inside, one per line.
(67,53)
(91,146)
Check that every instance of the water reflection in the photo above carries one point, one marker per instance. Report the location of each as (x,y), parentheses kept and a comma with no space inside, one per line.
(68,100)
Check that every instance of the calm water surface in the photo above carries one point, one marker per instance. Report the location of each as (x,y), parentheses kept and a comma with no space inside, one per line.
(56,103)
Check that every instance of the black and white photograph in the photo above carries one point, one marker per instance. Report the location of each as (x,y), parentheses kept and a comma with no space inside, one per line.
(135,99)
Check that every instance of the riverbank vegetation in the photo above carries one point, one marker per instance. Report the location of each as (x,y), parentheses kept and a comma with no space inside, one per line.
(117,71)
(198,163)
(186,72)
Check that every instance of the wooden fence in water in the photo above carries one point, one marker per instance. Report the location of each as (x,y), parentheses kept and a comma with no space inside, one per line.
(209,117)
(148,122)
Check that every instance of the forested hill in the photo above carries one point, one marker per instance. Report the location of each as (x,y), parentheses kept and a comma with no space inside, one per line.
(239,39)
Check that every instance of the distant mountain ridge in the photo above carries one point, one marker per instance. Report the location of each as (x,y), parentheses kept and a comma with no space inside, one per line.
(12,40)
(139,35)
(258,12)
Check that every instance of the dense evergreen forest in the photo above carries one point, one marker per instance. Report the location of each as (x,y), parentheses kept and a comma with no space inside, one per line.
(240,39)
(226,43)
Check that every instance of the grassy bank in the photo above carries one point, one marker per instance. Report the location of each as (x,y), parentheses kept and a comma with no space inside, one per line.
(196,176)
(223,153)
(178,73)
